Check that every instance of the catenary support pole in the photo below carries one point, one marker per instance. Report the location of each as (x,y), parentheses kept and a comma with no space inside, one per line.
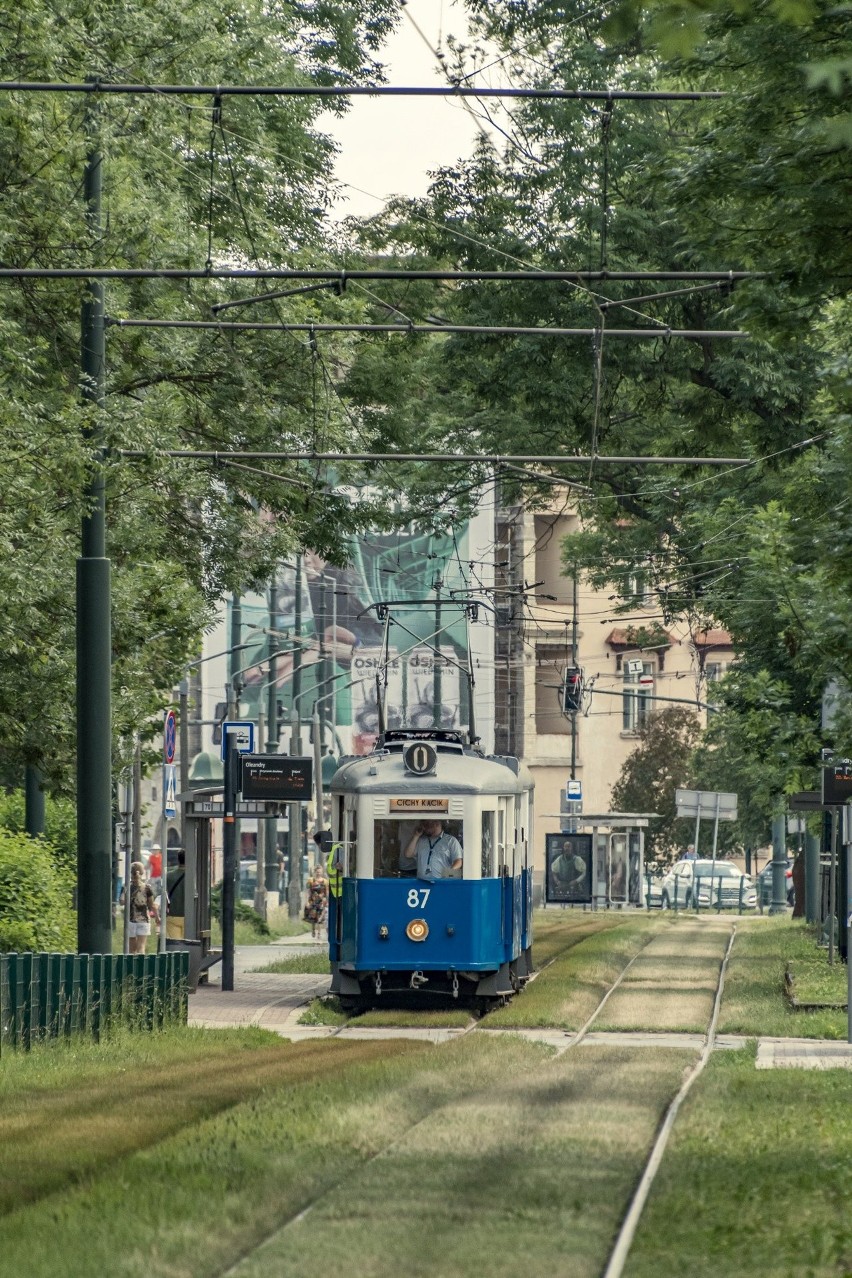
(94,719)
(271,873)
(811,878)
(229,855)
(33,801)
(779,863)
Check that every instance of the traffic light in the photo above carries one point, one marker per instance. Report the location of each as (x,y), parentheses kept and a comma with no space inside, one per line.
(572,690)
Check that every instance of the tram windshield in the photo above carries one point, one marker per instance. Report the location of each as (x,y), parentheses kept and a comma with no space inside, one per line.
(402,848)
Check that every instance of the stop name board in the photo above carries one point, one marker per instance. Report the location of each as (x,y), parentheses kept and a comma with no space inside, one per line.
(276,776)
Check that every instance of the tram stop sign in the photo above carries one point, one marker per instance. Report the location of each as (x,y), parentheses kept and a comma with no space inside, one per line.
(276,776)
(837,782)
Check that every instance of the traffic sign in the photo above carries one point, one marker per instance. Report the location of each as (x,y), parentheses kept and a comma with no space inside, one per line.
(169,794)
(706,803)
(241,732)
(169,736)
(575,790)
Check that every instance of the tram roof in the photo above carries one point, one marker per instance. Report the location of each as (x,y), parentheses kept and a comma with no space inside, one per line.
(456,772)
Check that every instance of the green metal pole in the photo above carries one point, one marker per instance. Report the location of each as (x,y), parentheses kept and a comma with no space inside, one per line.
(271,875)
(779,864)
(94,720)
(437,690)
(33,801)
(812,878)
(294,811)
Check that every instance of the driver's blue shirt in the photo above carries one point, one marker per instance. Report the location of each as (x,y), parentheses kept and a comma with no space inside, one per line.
(436,857)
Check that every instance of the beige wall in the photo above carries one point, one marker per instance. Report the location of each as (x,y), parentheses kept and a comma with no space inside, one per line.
(603,743)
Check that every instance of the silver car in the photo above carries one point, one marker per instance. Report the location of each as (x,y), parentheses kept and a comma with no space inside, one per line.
(707,885)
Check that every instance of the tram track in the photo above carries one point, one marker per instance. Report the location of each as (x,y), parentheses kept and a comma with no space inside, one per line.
(621,1249)
(576,1037)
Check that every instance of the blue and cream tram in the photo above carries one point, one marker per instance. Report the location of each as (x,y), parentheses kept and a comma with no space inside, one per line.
(394,924)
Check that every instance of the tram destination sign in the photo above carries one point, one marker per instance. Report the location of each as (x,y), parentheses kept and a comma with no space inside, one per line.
(419,803)
(277,776)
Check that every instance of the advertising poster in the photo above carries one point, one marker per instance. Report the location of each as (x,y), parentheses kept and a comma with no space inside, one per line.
(327,640)
(568,869)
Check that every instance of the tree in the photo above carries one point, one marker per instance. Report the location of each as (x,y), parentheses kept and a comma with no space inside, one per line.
(751,182)
(657,767)
(185,182)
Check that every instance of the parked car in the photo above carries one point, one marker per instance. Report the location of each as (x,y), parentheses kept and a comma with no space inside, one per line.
(653,890)
(709,885)
(764,883)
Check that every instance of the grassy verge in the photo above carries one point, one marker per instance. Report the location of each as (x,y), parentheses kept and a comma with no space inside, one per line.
(312,962)
(754,1001)
(757,1179)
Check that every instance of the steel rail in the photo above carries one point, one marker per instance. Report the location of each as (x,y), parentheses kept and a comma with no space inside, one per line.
(624,1241)
(494,330)
(354,91)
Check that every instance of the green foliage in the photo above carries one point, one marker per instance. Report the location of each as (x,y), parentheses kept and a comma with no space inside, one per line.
(658,766)
(178,189)
(243,913)
(60,823)
(35,896)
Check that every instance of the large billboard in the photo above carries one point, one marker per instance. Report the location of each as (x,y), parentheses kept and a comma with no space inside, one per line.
(328,640)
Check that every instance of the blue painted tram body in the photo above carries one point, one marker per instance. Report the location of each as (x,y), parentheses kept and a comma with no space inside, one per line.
(468,935)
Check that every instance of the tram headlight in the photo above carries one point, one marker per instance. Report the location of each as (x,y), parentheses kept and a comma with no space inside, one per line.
(417,930)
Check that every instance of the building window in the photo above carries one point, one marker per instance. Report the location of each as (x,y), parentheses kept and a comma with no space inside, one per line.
(714,670)
(636,700)
(635,590)
(550,662)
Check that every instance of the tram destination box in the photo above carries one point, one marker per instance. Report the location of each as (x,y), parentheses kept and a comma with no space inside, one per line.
(276,776)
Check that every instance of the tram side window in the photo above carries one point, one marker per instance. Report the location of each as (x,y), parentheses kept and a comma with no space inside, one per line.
(488,845)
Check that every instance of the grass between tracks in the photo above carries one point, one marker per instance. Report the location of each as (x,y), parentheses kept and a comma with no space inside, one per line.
(137,1159)
(757,1179)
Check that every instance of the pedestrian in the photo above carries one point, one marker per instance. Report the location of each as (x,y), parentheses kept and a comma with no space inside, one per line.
(689,854)
(435,853)
(176,895)
(316,907)
(143,907)
(155,868)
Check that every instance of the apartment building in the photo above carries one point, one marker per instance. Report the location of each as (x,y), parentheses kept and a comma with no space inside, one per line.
(632,664)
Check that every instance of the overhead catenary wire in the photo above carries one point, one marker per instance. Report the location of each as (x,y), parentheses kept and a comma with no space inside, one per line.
(461,458)
(493,330)
(352,91)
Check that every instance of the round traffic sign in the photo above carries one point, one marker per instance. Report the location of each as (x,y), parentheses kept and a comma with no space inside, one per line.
(170,737)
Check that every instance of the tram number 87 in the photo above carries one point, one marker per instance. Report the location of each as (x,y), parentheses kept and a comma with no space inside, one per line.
(417,899)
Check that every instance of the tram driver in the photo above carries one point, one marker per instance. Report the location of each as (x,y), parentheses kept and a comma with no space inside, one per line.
(434,852)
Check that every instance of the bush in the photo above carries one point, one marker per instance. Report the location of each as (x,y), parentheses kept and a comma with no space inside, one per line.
(35,896)
(60,823)
(243,913)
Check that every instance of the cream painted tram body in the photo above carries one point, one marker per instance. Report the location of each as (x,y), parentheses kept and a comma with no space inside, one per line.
(468,935)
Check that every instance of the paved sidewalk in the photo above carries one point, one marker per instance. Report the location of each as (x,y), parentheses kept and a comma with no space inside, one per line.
(276,1001)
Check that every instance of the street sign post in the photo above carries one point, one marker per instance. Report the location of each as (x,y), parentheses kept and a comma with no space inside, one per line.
(169,737)
(718,804)
(169,790)
(241,734)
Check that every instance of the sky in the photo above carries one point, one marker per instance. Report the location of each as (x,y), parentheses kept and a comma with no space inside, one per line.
(388,145)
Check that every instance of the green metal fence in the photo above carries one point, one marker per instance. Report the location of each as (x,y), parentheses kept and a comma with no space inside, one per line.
(57,995)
